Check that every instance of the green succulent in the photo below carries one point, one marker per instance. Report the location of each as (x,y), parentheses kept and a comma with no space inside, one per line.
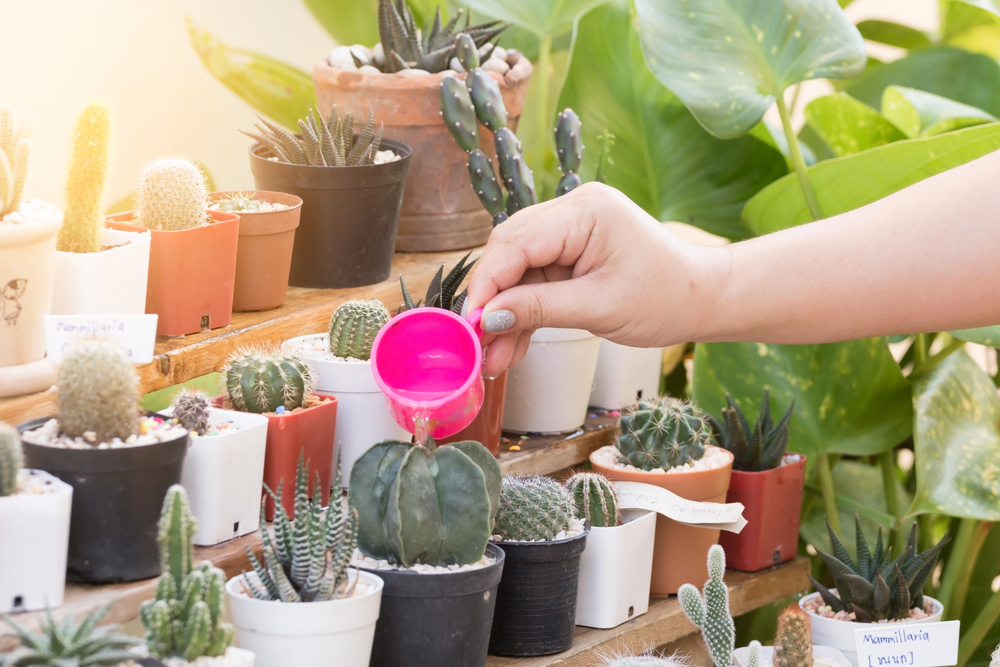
(708,609)
(66,644)
(533,508)
(353,327)
(663,433)
(595,498)
(441,291)
(322,143)
(754,450)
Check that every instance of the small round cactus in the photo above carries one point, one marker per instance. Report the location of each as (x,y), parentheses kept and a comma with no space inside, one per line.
(171,195)
(264,379)
(595,499)
(533,509)
(11,459)
(238,204)
(353,327)
(663,433)
(97,392)
(192,409)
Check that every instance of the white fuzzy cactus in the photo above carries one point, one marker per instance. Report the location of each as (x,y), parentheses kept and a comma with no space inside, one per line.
(709,610)
(171,195)
(753,660)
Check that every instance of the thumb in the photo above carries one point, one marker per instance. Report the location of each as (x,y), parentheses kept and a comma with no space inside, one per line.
(563,304)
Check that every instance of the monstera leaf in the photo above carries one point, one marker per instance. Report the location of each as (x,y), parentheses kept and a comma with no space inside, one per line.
(663,159)
(956,438)
(848,126)
(920,114)
(728,60)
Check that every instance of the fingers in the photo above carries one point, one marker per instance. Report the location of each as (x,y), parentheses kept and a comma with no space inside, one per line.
(506,351)
(563,304)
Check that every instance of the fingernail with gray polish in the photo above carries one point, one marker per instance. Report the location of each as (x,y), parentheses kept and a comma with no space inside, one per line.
(498,321)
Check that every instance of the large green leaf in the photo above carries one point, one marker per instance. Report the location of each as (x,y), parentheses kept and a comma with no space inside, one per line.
(729,59)
(663,159)
(847,183)
(356,21)
(850,397)
(774,136)
(956,437)
(921,114)
(980,591)
(545,18)
(989,336)
(275,89)
(848,126)
(991,6)
(894,34)
(973,26)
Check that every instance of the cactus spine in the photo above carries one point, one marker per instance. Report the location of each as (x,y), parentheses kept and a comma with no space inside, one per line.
(569,150)
(11,459)
(663,433)
(184,619)
(15,151)
(753,660)
(171,195)
(595,498)
(353,328)
(97,392)
(88,176)
(192,409)
(793,642)
(263,379)
(709,610)
(533,508)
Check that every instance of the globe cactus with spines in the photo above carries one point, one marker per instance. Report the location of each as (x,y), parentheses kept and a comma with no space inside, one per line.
(793,645)
(533,509)
(459,113)
(15,153)
(757,449)
(595,498)
(97,392)
(663,433)
(709,610)
(11,459)
(425,504)
(171,195)
(487,187)
(354,326)
(486,96)
(90,165)
(514,171)
(262,379)
(192,409)
(569,150)
(467,52)
(66,644)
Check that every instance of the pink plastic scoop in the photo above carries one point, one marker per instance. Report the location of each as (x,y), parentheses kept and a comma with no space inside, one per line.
(428,363)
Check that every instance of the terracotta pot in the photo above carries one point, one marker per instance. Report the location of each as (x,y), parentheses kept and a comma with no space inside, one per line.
(486,427)
(680,552)
(264,257)
(191,273)
(440,209)
(772,502)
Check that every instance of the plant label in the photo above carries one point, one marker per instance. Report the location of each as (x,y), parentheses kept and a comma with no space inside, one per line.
(912,645)
(136,332)
(718,516)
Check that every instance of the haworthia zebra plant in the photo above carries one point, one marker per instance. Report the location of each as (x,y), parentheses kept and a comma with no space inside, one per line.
(64,644)
(754,450)
(441,291)
(709,610)
(322,143)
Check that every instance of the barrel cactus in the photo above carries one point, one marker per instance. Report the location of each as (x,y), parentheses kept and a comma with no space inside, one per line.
(533,509)
(425,504)
(89,169)
(97,392)
(793,645)
(595,498)
(569,150)
(663,433)
(15,151)
(262,379)
(11,459)
(353,328)
(754,450)
(171,195)
(192,409)
(709,610)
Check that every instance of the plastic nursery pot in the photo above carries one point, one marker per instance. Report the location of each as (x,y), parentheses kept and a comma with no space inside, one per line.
(347,233)
(487,427)
(110,282)
(772,506)
(335,633)
(33,565)
(191,273)
(433,620)
(117,497)
(680,553)
(264,258)
(741,656)
(536,600)
(625,374)
(615,571)
(548,391)
(840,634)
(440,208)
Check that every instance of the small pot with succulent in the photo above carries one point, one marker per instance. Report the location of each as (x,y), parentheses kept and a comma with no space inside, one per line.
(66,643)
(192,260)
(351,186)
(300,421)
(538,529)
(793,646)
(616,567)
(667,442)
(224,467)
(34,507)
(341,361)
(119,462)
(302,604)
(99,271)
(425,516)
(767,480)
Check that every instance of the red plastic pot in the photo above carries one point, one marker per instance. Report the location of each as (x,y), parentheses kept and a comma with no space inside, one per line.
(486,427)
(772,502)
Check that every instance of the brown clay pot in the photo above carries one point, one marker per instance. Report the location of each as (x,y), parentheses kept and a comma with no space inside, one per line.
(485,428)
(440,209)
(191,273)
(265,251)
(680,552)
(772,506)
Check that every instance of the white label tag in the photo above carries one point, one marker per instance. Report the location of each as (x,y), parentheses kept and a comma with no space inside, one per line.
(909,644)
(718,516)
(136,332)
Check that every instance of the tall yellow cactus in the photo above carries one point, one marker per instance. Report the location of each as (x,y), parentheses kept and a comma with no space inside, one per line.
(88,176)
(15,149)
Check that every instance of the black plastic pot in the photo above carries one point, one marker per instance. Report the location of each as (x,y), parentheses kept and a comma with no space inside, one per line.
(117,497)
(350,215)
(536,600)
(436,620)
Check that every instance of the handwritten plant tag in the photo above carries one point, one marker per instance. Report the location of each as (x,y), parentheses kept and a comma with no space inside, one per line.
(136,332)
(909,644)
(718,516)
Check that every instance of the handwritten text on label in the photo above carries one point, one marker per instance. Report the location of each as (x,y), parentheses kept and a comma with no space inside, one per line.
(908,645)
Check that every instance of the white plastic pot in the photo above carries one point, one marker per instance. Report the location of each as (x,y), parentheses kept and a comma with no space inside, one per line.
(840,634)
(110,282)
(223,476)
(548,391)
(615,571)
(741,656)
(625,374)
(33,550)
(336,633)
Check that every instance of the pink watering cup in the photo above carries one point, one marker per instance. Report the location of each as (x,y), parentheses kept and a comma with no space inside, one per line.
(428,363)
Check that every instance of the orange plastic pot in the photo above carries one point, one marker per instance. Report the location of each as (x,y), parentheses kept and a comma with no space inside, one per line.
(680,552)
(485,428)
(772,502)
(265,251)
(191,273)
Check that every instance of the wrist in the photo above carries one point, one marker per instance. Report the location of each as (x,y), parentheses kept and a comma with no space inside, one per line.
(712,274)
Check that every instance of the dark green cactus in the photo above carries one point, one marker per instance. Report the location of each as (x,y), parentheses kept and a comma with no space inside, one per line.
(441,293)
(487,187)
(754,450)
(595,498)
(63,644)
(486,97)
(263,379)
(11,459)
(514,171)
(459,113)
(663,433)
(354,326)
(569,141)
(425,504)
(709,610)
(567,183)
(533,508)
(192,410)
(98,390)
(466,52)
